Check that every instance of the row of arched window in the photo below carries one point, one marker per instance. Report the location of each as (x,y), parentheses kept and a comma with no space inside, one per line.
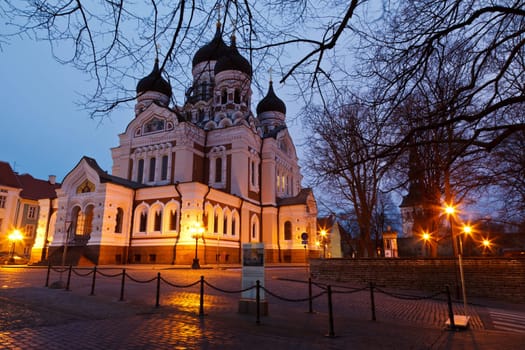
(221,220)
(82,220)
(158,217)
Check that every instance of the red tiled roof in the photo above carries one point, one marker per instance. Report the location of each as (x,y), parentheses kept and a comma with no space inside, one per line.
(7,176)
(36,189)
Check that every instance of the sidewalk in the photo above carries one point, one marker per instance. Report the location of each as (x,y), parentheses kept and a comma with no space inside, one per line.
(33,317)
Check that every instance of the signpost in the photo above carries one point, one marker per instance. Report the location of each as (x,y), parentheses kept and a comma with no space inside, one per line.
(252,271)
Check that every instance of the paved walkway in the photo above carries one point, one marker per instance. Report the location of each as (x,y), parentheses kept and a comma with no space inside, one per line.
(35,317)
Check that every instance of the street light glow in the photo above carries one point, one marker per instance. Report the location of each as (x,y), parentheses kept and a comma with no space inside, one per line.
(426,236)
(15,236)
(467,229)
(450,209)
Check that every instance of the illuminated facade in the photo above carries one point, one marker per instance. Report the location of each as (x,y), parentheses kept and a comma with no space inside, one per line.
(211,162)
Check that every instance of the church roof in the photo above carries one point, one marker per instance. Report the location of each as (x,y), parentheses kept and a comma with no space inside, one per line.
(271,102)
(233,60)
(154,82)
(213,50)
(105,177)
(301,198)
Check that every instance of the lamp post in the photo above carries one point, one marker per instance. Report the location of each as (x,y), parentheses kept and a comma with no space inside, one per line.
(450,210)
(14,236)
(197,232)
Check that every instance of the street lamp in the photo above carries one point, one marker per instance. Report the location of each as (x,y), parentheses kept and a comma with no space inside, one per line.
(450,210)
(197,232)
(14,236)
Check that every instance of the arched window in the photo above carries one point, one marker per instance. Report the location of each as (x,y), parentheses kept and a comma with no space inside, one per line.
(224,223)
(140,170)
(158,220)
(287,230)
(234,223)
(173,220)
(143,221)
(152,162)
(237,96)
(216,223)
(88,220)
(255,229)
(218,169)
(164,168)
(76,221)
(224,97)
(118,220)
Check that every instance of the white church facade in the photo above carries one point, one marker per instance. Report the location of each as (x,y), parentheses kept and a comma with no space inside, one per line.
(198,179)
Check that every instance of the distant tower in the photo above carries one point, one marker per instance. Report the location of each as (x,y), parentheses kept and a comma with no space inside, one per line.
(418,208)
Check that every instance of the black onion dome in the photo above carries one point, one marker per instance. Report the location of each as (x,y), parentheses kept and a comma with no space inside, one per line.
(233,60)
(154,82)
(271,103)
(211,51)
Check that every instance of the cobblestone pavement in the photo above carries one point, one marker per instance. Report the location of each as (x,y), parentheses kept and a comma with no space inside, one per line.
(35,317)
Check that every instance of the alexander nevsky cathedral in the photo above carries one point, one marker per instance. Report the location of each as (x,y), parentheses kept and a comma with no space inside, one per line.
(197,180)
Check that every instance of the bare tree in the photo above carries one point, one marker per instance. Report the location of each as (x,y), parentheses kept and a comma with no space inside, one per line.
(116,41)
(493,37)
(342,142)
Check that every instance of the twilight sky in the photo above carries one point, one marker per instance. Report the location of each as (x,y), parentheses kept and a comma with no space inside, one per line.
(44,131)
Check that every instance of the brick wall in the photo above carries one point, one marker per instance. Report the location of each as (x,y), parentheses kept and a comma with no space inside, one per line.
(495,278)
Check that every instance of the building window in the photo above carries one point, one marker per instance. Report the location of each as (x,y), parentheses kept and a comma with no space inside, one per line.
(164,169)
(88,220)
(287,230)
(30,231)
(140,170)
(237,96)
(224,97)
(173,220)
(218,170)
(152,162)
(136,258)
(118,220)
(143,221)
(233,225)
(152,258)
(216,223)
(2,201)
(158,220)
(31,212)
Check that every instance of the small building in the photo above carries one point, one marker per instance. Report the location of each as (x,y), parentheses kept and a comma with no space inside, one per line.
(23,201)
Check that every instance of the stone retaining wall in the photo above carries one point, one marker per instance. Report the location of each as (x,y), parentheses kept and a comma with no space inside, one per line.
(496,278)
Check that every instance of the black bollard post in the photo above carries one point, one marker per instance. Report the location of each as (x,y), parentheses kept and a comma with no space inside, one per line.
(157,301)
(372,301)
(122,285)
(93,281)
(201,306)
(331,332)
(450,311)
(258,301)
(310,306)
(69,277)
(48,273)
